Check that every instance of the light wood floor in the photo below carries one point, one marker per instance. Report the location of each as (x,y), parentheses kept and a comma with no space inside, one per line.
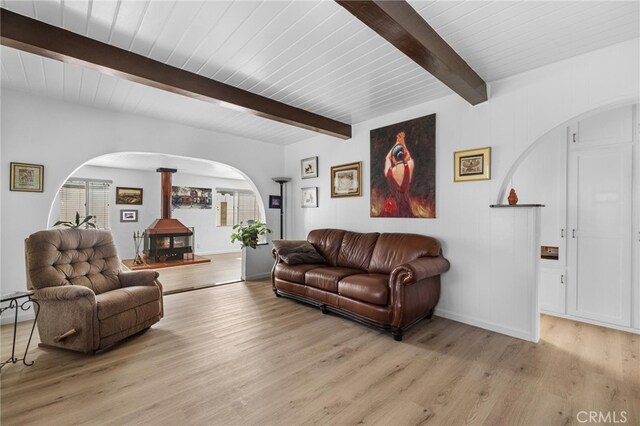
(223,268)
(236,354)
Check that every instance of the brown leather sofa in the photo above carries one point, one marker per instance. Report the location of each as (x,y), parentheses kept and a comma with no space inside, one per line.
(389,281)
(86,302)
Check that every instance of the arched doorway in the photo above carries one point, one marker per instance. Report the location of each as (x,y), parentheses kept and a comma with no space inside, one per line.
(226,196)
(585,171)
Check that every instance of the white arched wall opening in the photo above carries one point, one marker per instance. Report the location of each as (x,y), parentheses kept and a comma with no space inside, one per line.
(63,135)
(166,160)
(253,186)
(506,180)
(526,237)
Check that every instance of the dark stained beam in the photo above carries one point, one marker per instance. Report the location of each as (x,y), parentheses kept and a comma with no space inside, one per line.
(30,35)
(402,26)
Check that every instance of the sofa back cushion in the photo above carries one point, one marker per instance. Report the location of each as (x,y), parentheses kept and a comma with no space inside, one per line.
(392,250)
(327,242)
(85,257)
(356,249)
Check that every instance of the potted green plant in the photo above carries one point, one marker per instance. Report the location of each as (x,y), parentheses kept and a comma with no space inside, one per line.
(249,234)
(78,223)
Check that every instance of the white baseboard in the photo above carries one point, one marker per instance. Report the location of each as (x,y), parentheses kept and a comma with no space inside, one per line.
(8,316)
(593,322)
(258,276)
(208,253)
(513,332)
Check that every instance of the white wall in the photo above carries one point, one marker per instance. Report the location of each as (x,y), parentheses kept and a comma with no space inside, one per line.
(210,238)
(541,178)
(63,136)
(521,109)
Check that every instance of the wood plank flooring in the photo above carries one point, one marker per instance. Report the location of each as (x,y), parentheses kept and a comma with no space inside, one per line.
(236,354)
(223,268)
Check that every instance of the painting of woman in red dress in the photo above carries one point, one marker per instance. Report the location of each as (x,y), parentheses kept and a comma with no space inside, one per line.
(403,169)
(398,166)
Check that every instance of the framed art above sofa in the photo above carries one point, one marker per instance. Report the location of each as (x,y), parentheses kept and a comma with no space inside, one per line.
(310,197)
(346,180)
(309,168)
(472,164)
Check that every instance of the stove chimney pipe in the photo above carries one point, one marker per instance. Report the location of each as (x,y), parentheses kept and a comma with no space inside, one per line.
(165,190)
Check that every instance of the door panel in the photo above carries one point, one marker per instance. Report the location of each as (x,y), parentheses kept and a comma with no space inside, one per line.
(551,284)
(613,126)
(600,200)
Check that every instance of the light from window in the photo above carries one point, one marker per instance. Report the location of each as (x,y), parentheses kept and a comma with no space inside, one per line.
(234,207)
(88,197)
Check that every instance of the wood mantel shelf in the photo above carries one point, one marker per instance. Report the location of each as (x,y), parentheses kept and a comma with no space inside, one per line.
(494,206)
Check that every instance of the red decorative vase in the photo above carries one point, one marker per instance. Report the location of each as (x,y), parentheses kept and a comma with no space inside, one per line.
(513,198)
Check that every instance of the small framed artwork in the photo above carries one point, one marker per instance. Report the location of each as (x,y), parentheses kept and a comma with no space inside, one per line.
(472,164)
(309,167)
(346,180)
(131,196)
(310,197)
(275,202)
(26,177)
(128,215)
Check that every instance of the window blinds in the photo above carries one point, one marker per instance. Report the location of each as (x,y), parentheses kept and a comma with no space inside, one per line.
(86,197)
(98,203)
(247,207)
(72,199)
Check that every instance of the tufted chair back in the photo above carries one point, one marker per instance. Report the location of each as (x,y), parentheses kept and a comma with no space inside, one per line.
(84,257)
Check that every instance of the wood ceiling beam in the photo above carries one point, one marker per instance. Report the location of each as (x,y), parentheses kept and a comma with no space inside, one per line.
(30,35)
(402,26)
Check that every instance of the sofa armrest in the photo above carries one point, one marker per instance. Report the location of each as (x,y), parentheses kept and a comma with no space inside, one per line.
(65,292)
(420,269)
(137,278)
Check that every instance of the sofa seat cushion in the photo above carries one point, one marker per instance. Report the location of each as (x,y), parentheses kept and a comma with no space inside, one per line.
(123,299)
(292,273)
(370,288)
(327,277)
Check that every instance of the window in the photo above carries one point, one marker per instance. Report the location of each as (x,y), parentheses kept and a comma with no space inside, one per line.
(236,206)
(87,197)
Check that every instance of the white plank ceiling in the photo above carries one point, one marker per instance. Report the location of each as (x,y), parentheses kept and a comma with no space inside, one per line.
(309,54)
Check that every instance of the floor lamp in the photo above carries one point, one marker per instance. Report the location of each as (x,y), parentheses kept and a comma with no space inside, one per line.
(281,181)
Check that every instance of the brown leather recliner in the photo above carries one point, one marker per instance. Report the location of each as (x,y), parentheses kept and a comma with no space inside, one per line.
(86,302)
(389,281)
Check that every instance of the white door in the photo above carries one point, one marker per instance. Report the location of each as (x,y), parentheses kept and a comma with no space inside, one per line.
(599,233)
(551,290)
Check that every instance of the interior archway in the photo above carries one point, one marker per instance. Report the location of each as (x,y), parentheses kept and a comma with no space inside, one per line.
(583,172)
(504,185)
(212,236)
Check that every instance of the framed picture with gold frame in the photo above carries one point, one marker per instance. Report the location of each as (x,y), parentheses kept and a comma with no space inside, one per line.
(472,164)
(26,177)
(132,196)
(346,180)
